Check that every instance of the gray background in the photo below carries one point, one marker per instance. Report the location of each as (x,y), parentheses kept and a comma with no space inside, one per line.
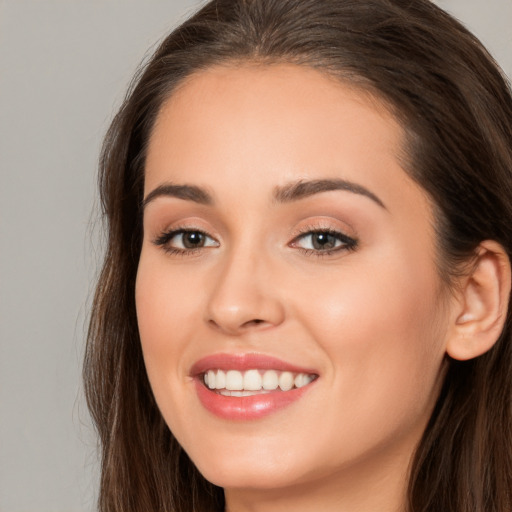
(64,67)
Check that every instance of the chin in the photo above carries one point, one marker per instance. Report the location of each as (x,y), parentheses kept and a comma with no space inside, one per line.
(232,477)
(250,471)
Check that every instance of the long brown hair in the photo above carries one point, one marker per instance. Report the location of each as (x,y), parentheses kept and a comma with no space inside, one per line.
(456,110)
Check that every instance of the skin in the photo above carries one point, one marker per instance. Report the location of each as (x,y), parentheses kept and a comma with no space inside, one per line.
(374,322)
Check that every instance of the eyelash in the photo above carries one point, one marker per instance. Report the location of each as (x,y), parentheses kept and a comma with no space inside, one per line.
(347,243)
(164,239)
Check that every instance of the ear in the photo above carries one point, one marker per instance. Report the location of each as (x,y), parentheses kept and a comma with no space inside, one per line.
(482,307)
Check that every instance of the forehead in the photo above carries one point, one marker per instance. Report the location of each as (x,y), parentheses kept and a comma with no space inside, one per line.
(289,101)
(260,126)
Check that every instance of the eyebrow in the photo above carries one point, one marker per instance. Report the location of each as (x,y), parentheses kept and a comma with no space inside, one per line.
(283,194)
(302,189)
(186,192)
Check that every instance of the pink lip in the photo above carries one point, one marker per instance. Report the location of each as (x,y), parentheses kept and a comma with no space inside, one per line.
(247,407)
(242,362)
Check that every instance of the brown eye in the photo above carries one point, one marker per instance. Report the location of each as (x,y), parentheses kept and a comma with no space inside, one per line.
(183,240)
(192,239)
(324,241)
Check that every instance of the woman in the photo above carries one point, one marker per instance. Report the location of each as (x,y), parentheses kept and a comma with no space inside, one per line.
(305,297)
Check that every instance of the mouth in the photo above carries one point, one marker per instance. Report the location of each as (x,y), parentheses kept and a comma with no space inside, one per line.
(249,386)
(254,381)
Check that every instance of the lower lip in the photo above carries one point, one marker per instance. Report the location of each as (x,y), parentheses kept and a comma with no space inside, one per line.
(247,407)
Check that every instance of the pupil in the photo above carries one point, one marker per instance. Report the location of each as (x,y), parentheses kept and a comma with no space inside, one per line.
(323,241)
(193,239)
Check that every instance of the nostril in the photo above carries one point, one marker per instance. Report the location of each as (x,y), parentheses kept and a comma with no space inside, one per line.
(256,321)
(236,328)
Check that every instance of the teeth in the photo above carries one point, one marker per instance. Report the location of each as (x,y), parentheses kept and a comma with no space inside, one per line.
(226,392)
(234,380)
(302,380)
(220,380)
(235,383)
(286,381)
(252,380)
(211,379)
(270,380)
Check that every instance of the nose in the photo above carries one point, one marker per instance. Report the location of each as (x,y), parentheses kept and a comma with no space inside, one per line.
(244,296)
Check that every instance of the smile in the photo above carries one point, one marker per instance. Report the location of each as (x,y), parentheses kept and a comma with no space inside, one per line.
(255,381)
(249,386)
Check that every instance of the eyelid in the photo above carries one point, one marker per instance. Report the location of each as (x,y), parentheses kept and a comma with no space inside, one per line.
(327,225)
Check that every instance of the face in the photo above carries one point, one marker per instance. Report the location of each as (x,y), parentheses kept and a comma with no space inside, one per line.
(289,258)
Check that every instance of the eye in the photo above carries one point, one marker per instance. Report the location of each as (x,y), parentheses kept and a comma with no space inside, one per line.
(185,240)
(324,241)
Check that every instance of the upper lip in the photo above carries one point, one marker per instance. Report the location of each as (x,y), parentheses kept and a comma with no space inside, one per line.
(245,361)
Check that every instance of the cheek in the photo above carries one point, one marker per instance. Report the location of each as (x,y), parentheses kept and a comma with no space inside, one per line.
(383,329)
(166,301)
(165,318)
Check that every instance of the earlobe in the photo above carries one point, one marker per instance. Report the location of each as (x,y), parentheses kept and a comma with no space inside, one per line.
(483,304)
